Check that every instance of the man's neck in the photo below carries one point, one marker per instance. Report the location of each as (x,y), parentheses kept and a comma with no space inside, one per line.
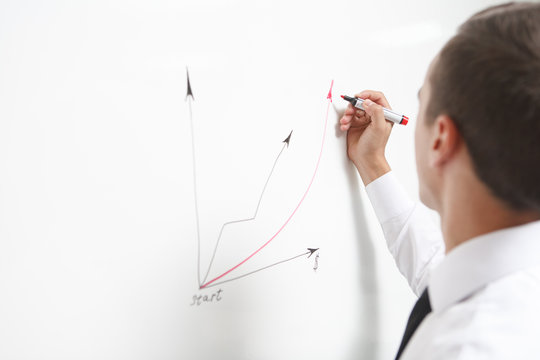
(470,210)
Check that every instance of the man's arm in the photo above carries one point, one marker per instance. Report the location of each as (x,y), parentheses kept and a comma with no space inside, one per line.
(412,236)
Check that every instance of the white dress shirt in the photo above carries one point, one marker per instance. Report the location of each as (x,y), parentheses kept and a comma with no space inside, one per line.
(484,294)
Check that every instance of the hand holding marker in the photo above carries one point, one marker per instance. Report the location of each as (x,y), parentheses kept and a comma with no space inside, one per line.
(388,114)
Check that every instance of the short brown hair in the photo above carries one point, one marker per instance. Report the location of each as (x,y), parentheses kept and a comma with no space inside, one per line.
(487,79)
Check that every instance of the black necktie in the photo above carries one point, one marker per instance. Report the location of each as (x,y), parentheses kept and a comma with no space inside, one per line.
(419,312)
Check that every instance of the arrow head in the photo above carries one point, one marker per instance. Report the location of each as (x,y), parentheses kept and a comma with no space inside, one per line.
(189,91)
(312,251)
(288,139)
(329,96)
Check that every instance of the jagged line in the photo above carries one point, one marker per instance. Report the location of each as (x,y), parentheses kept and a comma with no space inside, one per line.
(286,141)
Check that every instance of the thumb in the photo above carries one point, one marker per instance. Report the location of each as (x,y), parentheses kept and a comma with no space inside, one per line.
(376,113)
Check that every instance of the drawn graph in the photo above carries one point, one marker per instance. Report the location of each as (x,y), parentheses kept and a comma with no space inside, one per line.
(203,281)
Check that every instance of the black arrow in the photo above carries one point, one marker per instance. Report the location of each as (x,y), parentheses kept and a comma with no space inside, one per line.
(189,91)
(189,99)
(310,252)
(288,139)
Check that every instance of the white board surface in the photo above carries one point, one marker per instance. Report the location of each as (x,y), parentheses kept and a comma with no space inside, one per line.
(106,166)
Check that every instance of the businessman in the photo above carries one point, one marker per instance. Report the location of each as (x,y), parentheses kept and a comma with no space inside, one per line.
(477,142)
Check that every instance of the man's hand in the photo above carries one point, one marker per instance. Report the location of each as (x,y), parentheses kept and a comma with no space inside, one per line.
(367,135)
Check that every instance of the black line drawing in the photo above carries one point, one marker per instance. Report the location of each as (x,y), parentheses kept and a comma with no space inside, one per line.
(190,98)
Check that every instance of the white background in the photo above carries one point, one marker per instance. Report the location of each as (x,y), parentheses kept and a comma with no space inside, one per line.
(98,242)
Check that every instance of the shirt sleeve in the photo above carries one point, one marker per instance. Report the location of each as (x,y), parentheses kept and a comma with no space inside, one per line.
(412,235)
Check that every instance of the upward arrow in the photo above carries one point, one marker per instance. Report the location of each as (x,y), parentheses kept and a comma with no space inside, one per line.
(288,139)
(329,96)
(189,91)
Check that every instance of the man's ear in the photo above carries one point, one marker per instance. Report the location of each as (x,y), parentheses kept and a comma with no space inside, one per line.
(445,141)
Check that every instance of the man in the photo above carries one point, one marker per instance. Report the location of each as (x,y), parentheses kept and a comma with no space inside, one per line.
(478,160)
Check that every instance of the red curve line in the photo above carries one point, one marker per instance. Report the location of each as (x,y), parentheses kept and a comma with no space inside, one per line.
(300,203)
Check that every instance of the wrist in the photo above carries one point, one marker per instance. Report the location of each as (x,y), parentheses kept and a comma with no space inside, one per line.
(372,168)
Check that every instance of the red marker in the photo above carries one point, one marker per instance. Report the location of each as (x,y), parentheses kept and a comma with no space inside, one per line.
(388,114)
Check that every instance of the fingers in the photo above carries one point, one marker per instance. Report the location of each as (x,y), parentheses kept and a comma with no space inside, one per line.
(374,101)
(353,117)
(346,119)
(375,112)
(375,96)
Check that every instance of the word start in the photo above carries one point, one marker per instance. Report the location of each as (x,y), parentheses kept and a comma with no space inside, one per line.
(201,299)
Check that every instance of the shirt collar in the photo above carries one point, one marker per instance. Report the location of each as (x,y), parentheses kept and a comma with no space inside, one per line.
(481,260)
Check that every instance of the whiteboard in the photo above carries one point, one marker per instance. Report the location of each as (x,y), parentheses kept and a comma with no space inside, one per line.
(140,220)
